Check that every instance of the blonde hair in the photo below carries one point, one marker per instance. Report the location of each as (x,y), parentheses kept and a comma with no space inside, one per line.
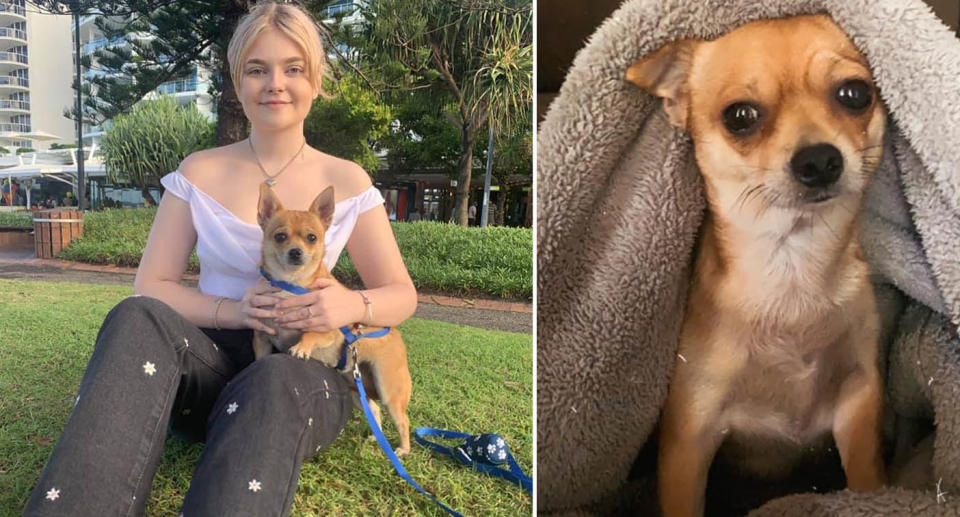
(294,23)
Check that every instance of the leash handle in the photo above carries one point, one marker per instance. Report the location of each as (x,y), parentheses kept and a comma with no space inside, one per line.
(385,445)
(515,473)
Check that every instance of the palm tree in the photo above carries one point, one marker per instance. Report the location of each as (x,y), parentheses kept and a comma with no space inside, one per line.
(505,83)
(480,52)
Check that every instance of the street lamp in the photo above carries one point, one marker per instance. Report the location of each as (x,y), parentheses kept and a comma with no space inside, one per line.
(81,177)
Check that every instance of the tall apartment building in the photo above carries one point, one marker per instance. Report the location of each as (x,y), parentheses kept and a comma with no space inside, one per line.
(34,53)
(344,8)
(193,87)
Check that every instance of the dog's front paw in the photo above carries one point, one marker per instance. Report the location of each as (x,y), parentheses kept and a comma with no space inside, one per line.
(300,350)
(402,451)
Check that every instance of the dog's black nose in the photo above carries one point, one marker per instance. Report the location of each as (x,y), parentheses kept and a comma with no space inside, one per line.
(295,254)
(817,165)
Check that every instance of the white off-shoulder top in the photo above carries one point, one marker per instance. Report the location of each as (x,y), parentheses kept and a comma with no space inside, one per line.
(229,248)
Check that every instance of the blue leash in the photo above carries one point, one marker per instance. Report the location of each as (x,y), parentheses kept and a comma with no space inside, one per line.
(351,338)
(382,440)
(482,451)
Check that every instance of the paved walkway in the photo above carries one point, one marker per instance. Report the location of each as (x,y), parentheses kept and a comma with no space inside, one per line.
(476,312)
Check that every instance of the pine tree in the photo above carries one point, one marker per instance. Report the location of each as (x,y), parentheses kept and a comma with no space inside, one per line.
(165,39)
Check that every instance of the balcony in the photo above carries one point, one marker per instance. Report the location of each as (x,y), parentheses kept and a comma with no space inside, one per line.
(11,61)
(8,130)
(11,12)
(7,32)
(15,106)
(99,43)
(175,87)
(14,83)
(342,8)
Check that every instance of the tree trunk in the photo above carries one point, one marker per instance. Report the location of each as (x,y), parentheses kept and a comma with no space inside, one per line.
(147,197)
(528,213)
(466,169)
(231,121)
(502,203)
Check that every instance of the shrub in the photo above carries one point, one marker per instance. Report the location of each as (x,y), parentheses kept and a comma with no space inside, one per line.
(492,261)
(152,140)
(17,219)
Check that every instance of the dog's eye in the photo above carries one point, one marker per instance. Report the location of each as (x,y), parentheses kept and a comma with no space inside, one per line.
(280,237)
(854,95)
(311,238)
(741,118)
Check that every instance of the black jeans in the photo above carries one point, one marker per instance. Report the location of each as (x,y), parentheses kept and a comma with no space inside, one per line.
(152,370)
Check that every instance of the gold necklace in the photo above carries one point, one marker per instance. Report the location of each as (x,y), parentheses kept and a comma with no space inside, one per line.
(272,179)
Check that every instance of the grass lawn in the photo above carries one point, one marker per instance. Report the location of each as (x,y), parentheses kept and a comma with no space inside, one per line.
(465,379)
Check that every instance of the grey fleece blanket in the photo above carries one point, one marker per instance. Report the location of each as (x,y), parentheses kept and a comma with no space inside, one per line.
(620,203)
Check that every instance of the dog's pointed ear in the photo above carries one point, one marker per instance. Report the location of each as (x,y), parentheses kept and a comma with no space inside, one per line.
(323,206)
(268,205)
(664,74)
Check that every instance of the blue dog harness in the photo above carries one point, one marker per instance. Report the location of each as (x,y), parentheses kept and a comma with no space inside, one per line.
(349,337)
(482,452)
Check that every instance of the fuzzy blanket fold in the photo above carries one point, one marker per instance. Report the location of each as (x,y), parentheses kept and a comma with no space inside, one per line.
(620,203)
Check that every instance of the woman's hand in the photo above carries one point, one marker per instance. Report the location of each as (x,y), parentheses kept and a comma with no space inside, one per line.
(256,305)
(327,307)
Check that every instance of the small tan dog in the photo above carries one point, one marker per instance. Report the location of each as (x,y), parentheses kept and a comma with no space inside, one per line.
(293,252)
(779,342)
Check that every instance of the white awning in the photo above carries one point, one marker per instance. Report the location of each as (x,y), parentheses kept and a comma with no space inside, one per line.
(30,171)
(36,135)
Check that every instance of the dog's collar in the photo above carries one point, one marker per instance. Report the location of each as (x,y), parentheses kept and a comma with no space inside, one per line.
(349,338)
(280,284)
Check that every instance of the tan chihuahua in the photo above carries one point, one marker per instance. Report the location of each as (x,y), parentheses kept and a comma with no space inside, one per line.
(293,252)
(779,341)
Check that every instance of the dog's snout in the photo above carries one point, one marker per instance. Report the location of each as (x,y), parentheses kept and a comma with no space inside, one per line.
(817,165)
(295,254)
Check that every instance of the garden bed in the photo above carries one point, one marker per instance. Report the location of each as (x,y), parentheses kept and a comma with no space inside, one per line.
(15,238)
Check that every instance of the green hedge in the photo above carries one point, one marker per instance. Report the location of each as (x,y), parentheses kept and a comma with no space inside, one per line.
(18,219)
(495,261)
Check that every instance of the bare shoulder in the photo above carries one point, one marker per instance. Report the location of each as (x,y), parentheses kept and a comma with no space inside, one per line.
(198,167)
(348,178)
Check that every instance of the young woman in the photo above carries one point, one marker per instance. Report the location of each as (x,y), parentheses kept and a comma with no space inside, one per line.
(181,358)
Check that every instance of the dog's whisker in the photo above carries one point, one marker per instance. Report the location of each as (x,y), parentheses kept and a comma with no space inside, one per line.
(750,168)
(740,197)
(764,204)
(768,201)
(825,223)
(746,194)
(761,196)
(845,208)
(759,190)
